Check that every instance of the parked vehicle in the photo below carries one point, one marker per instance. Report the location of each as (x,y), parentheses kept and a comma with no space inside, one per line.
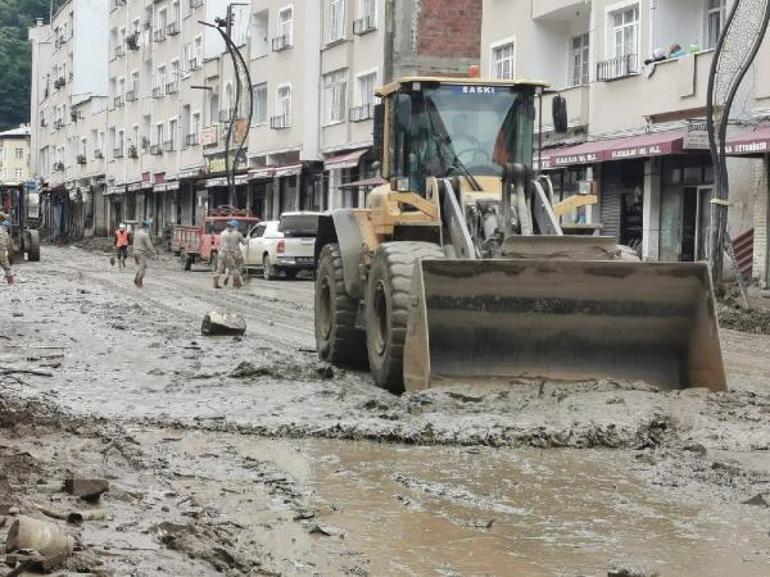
(282,246)
(15,202)
(201,243)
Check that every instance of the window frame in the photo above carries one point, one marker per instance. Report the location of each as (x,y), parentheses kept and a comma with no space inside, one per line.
(335,88)
(278,100)
(255,121)
(494,48)
(280,23)
(336,25)
(584,53)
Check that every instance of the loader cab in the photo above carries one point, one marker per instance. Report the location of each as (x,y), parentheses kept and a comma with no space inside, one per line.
(445,128)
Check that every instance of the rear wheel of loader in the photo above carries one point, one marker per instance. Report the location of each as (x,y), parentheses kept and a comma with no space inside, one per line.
(337,339)
(32,246)
(388,294)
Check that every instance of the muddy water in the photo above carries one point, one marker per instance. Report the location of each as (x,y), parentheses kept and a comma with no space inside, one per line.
(445,511)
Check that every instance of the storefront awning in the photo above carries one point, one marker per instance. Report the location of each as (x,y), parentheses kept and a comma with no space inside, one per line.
(752,142)
(641,146)
(366,183)
(288,170)
(346,160)
(222,180)
(261,173)
(114,190)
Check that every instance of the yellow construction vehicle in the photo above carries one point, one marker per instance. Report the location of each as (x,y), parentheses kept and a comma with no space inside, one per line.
(458,272)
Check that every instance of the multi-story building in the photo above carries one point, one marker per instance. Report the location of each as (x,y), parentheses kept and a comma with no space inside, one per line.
(148,136)
(634,76)
(14,155)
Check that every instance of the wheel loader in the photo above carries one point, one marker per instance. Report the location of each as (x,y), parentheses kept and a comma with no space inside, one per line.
(458,273)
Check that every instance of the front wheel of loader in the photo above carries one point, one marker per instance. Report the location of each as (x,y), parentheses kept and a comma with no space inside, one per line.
(32,246)
(388,294)
(337,339)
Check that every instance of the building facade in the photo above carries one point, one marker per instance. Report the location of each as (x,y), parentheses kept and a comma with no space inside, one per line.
(132,101)
(634,76)
(14,156)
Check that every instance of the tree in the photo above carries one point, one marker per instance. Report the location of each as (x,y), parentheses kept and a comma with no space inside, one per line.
(16,16)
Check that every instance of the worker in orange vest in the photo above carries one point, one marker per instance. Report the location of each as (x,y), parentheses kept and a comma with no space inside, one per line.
(121,242)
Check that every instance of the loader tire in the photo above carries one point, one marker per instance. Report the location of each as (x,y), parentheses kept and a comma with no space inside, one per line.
(338,341)
(32,246)
(388,293)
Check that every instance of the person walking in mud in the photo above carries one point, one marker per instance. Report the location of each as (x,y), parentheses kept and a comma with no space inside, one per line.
(121,242)
(230,240)
(5,245)
(142,248)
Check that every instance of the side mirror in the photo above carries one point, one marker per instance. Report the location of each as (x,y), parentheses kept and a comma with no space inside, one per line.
(378,132)
(404,112)
(560,117)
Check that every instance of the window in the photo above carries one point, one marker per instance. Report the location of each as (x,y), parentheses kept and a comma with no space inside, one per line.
(579,60)
(286,24)
(188,64)
(199,50)
(173,128)
(715,19)
(259,40)
(195,124)
(19,153)
(159,134)
(336,20)
(135,83)
(19,173)
(368,10)
(283,103)
(366,86)
(162,21)
(213,107)
(260,104)
(625,32)
(502,63)
(335,87)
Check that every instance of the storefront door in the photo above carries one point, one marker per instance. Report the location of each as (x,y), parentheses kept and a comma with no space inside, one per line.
(696,222)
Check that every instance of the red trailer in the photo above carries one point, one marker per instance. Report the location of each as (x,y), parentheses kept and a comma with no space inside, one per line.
(201,243)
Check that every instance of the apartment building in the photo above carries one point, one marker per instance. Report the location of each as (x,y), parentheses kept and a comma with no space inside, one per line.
(14,156)
(634,75)
(149,139)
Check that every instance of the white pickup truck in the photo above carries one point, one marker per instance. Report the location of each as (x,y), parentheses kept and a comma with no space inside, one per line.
(282,246)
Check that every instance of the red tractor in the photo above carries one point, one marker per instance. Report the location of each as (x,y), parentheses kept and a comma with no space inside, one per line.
(201,243)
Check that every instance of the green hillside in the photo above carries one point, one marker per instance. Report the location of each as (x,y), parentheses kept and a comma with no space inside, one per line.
(15,17)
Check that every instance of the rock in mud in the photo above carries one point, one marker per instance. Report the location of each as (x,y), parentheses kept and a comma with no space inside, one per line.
(87,489)
(216,323)
(760,500)
(631,572)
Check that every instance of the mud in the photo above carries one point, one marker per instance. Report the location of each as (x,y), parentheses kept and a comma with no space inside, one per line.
(246,456)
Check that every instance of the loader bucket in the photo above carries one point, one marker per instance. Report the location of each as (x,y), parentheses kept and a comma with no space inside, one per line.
(477,321)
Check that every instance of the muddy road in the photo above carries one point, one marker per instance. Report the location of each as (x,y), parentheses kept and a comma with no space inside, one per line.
(246,456)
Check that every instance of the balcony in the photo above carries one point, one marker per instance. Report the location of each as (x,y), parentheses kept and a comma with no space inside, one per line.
(58,166)
(556,9)
(132,41)
(193,64)
(191,139)
(364,25)
(155,150)
(159,35)
(280,121)
(132,95)
(280,43)
(169,146)
(157,92)
(577,98)
(58,124)
(193,4)
(81,159)
(133,152)
(117,153)
(118,102)
(616,68)
(172,87)
(98,154)
(361,113)
(172,29)
(145,143)
(60,82)
(673,90)
(120,51)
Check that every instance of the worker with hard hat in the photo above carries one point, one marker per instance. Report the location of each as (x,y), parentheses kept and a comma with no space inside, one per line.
(142,248)
(230,240)
(5,246)
(121,241)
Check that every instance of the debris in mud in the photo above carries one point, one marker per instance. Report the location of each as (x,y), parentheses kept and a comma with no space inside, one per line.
(51,545)
(325,530)
(283,371)
(631,572)
(86,489)
(732,315)
(760,500)
(216,323)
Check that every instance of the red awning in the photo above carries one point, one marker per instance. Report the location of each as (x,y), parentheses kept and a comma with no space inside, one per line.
(346,160)
(753,142)
(641,146)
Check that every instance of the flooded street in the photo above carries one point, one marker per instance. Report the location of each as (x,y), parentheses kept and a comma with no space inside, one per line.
(246,456)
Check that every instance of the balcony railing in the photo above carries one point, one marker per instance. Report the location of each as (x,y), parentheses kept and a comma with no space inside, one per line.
(616,68)
(280,121)
(280,43)
(169,146)
(172,87)
(193,64)
(119,51)
(361,113)
(155,150)
(58,124)
(81,159)
(133,152)
(118,102)
(60,82)
(132,95)
(157,92)
(145,143)
(159,35)
(195,4)
(98,153)
(58,167)
(117,153)
(191,139)
(172,29)
(364,25)
(132,41)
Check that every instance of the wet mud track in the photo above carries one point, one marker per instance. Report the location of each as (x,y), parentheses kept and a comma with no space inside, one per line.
(246,456)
